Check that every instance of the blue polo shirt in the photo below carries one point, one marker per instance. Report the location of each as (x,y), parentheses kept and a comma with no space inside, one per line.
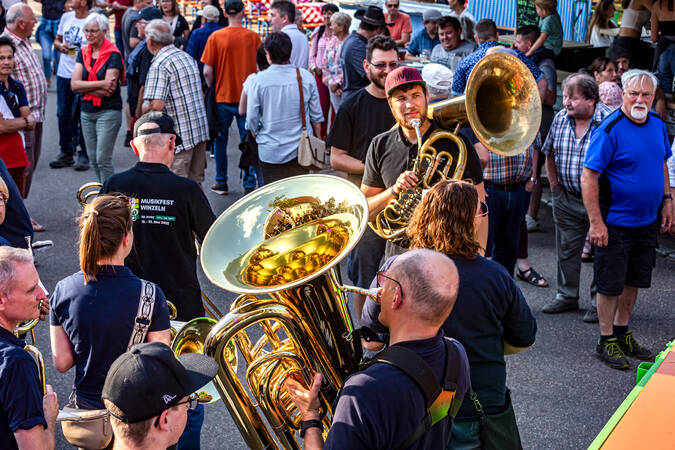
(98,318)
(20,391)
(379,407)
(629,157)
(422,41)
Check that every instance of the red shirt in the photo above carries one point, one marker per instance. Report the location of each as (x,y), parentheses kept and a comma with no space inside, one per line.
(119,14)
(400,25)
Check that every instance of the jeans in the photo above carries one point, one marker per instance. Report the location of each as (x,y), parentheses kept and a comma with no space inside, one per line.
(189,440)
(100,130)
(226,112)
(119,44)
(465,436)
(252,176)
(666,68)
(507,211)
(69,127)
(45,35)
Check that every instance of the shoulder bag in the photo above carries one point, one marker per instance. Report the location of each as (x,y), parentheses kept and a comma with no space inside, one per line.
(92,431)
(498,431)
(311,150)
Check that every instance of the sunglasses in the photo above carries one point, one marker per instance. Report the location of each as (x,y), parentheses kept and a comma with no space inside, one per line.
(382,276)
(483,210)
(382,66)
(192,403)
(392,6)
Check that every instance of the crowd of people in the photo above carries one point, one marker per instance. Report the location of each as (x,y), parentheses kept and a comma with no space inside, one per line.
(447,296)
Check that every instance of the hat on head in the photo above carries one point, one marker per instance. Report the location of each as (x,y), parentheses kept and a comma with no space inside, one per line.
(401,77)
(372,16)
(610,94)
(210,12)
(431,15)
(150,13)
(437,77)
(148,379)
(162,120)
(616,51)
(233,7)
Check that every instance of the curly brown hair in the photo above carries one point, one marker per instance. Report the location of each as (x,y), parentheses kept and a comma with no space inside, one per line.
(445,220)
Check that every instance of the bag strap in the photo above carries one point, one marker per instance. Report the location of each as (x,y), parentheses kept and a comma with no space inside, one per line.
(302,100)
(146,304)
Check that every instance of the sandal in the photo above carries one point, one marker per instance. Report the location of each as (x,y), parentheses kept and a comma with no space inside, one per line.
(531,276)
(36,226)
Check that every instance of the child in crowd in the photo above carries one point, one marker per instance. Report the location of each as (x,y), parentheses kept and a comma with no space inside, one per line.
(549,43)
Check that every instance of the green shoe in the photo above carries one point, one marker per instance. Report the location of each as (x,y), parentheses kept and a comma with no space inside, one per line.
(611,354)
(629,346)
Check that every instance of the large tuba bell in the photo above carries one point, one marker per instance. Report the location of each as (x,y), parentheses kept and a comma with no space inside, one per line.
(280,242)
(503,108)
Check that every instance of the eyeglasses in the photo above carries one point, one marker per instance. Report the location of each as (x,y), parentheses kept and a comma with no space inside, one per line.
(483,210)
(192,403)
(382,66)
(392,6)
(382,276)
(91,31)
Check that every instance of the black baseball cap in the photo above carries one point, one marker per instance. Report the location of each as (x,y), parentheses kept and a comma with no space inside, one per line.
(148,379)
(162,120)
(150,13)
(233,7)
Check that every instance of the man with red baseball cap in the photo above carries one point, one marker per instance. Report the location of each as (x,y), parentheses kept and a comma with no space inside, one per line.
(391,155)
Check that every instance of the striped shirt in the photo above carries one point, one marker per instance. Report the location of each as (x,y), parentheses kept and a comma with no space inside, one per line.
(568,151)
(174,78)
(28,70)
(510,169)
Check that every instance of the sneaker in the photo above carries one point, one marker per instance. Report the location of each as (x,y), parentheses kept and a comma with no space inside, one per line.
(62,161)
(532,224)
(611,354)
(591,315)
(82,163)
(629,345)
(220,188)
(559,305)
(128,138)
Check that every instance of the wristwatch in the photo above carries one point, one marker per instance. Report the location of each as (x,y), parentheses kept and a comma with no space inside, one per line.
(533,180)
(307,424)
(668,197)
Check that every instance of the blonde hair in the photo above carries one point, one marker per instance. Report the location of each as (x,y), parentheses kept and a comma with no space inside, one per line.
(3,189)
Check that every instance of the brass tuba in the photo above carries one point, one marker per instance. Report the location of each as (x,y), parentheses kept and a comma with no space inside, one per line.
(280,249)
(88,191)
(503,108)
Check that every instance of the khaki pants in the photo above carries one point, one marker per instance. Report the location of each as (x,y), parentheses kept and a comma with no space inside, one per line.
(191,163)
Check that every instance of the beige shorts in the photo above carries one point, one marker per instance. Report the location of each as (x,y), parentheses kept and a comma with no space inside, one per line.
(191,163)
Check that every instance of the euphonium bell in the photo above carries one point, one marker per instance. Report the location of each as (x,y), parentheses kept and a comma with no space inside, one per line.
(280,242)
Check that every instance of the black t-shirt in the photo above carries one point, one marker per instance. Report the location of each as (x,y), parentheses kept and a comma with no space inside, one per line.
(360,118)
(168,212)
(115,100)
(20,391)
(17,224)
(141,67)
(98,318)
(489,307)
(390,154)
(52,9)
(379,407)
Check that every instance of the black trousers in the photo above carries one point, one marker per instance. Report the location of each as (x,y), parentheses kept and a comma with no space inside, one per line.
(276,172)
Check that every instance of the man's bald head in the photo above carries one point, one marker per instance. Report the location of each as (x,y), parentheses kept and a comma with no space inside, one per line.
(20,19)
(430,282)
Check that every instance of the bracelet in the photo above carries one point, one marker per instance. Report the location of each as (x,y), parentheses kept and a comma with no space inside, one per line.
(26,120)
(668,197)
(307,424)
(393,192)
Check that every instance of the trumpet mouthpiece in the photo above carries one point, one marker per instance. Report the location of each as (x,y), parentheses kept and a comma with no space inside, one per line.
(415,123)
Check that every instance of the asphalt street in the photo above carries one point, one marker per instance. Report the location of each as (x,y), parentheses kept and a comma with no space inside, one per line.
(562,394)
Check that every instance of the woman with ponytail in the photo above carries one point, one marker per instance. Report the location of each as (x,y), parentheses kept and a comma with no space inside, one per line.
(93,311)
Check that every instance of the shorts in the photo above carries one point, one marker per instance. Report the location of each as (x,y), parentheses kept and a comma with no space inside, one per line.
(191,163)
(364,260)
(628,259)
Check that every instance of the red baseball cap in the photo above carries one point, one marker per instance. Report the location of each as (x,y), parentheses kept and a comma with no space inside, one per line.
(402,76)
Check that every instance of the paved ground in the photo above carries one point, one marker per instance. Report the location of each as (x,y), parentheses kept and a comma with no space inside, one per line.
(562,395)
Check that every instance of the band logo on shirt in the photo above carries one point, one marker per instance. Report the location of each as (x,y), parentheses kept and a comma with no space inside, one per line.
(144,209)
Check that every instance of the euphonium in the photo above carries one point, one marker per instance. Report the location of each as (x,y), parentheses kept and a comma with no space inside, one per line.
(88,191)
(503,108)
(280,242)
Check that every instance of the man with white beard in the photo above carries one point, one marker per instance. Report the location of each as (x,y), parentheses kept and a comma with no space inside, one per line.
(625,184)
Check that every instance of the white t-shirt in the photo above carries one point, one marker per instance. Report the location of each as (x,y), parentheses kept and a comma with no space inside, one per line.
(671,167)
(72,30)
